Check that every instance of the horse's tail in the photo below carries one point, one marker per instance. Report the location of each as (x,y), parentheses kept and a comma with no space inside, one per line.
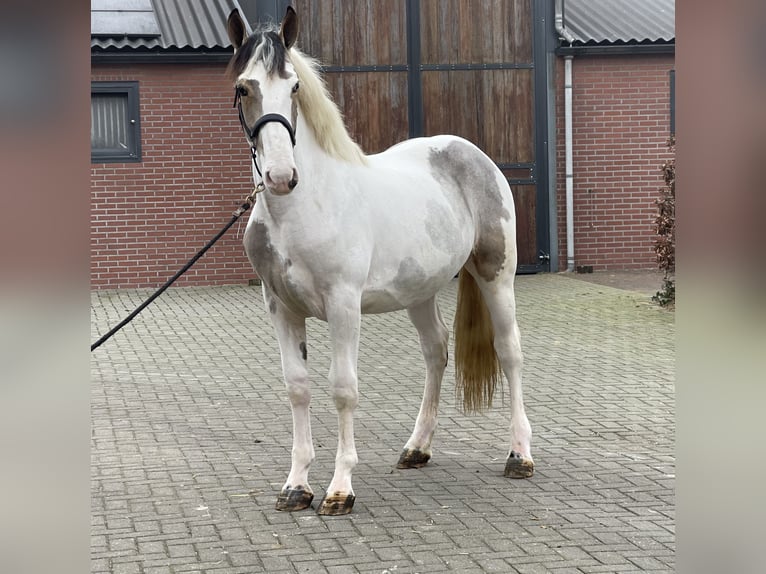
(477,370)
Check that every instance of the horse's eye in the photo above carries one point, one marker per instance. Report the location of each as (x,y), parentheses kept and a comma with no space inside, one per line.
(296,86)
(242,91)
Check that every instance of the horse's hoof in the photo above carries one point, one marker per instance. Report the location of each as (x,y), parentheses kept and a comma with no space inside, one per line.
(413,458)
(291,499)
(518,467)
(336,504)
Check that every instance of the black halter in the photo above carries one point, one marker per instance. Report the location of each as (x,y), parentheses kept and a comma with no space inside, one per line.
(252,133)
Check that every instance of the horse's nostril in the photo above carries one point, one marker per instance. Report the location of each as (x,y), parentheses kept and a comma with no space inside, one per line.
(294,180)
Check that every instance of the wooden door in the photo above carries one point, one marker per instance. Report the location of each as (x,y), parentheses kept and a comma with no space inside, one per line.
(477,77)
(362,45)
(403,68)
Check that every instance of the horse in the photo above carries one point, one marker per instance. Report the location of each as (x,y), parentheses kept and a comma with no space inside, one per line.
(337,233)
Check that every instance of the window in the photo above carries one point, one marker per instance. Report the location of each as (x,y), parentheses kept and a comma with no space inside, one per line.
(115,134)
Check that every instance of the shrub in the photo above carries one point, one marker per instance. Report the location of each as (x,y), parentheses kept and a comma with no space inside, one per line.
(665,225)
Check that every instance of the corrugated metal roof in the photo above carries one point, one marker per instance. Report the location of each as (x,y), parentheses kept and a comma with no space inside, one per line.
(123,18)
(620,21)
(181,24)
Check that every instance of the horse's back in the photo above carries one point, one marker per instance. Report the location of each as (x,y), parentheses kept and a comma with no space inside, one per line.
(455,164)
(463,171)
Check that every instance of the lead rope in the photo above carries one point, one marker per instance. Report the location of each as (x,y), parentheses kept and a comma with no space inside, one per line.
(247,204)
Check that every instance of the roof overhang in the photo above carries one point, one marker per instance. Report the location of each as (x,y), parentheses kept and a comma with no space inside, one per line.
(628,49)
(161,56)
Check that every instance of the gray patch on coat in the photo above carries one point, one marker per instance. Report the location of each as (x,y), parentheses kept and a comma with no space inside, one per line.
(470,171)
(304,350)
(409,274)
(272,305)
(437,216)
(379,301)
(270,265)
(252,103)
(259,249)
(414,284)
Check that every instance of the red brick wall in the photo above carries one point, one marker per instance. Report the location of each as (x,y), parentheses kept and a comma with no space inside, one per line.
(621,123)
(149,218)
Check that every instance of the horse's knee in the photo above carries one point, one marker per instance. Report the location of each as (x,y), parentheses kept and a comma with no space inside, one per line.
(345,398)
(298,390)
(344,392)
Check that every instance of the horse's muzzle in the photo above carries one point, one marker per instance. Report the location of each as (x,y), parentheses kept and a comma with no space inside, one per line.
(281,183)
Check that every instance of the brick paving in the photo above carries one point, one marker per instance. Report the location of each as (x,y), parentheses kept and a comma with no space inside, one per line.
(191,438)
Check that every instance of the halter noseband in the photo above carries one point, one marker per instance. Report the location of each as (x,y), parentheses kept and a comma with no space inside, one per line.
(267,118)
(252,133)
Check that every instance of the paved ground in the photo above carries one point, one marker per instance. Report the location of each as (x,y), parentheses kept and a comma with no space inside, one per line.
(644,281)
(191,443)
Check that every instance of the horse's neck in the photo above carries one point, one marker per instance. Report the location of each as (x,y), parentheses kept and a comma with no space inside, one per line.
(314,163)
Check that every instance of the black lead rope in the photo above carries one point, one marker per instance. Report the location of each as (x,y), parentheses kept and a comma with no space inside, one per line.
(252,134)
(237,214)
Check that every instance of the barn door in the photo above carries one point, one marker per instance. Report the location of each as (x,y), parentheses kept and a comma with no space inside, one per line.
(405,68)
(477,73)
(363,48)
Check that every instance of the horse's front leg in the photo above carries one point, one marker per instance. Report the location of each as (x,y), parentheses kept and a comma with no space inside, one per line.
(344,321)
(296,493)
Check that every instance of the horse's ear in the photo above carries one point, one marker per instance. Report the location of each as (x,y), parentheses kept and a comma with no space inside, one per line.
(289,30)
(237,29)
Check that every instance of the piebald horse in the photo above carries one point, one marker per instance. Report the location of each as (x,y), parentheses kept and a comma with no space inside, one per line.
(338,233)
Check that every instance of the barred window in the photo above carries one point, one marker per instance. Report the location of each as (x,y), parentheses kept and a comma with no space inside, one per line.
(115,134)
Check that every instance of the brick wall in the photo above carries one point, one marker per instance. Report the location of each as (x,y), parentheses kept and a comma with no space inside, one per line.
(621,123)
(149,218)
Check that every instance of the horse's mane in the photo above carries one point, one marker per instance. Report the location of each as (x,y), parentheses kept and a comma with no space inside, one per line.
(319,110)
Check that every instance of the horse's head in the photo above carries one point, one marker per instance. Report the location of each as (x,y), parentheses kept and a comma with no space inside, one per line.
(266,85)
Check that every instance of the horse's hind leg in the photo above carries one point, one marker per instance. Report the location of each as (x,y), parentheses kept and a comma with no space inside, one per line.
(296,494)
(433,335)
(499,297)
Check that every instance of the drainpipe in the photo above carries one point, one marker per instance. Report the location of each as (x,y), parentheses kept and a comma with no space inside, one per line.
(569,172)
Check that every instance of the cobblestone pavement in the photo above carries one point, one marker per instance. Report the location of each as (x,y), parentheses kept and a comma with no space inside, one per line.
(191,438)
